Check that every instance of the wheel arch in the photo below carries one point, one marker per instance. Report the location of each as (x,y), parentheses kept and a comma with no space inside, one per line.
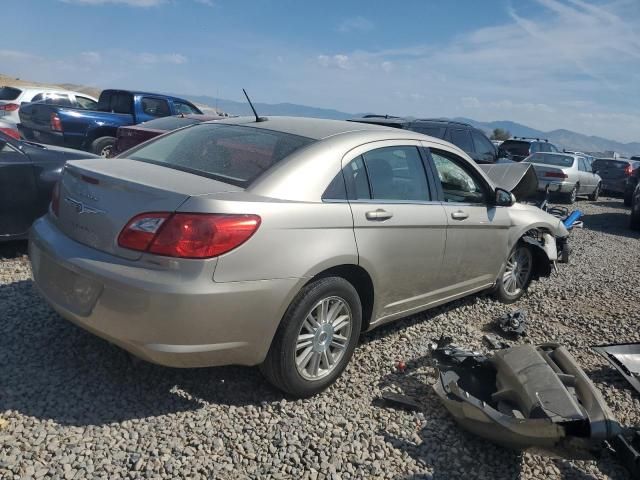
(361,281)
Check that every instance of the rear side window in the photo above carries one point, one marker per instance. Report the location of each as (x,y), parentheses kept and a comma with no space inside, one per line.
(116,102)
(156,107)
(230,153)
(169,123)
(59,99)
(86,103)
(396,173)
(462,139)
(9,93)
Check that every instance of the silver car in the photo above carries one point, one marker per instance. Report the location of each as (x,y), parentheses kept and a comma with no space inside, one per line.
(568,174)
(277,242)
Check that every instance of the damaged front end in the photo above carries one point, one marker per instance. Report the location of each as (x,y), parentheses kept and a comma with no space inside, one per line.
(525,397)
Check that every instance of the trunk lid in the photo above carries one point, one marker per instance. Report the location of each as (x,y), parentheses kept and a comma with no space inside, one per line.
(98,197)
(611,169)
(550,172)
(129,137)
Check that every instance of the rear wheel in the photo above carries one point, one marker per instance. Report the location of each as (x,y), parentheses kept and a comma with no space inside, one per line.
(103,146)
(316,338)
(516,275)
(572,196)
(596,194)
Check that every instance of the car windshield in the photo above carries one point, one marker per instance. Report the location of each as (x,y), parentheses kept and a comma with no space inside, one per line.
(9,93)
(230,153)
(555,160)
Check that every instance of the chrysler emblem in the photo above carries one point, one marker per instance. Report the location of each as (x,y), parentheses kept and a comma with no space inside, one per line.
(81,208)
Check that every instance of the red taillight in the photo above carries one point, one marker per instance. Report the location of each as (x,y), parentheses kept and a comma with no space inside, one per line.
(55,199)
(9,107)
(555,174)
(11,132)
(628,170)
(188,235)
(56,124)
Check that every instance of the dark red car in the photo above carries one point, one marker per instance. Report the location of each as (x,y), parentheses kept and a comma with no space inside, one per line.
(129,137)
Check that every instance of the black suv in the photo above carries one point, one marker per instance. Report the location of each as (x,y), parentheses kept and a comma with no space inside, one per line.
(519,148)
(468,138)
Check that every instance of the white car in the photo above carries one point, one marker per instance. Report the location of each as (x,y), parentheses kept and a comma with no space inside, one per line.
(11,98)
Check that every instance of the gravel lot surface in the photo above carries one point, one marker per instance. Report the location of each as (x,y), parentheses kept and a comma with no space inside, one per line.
(73,406)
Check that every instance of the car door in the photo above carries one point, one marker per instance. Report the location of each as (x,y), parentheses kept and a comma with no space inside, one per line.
(477,230)
(585,177)
(17,191)
(400,230)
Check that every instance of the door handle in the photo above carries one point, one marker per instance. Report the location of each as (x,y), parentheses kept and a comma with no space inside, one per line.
(378,215)
(459,215)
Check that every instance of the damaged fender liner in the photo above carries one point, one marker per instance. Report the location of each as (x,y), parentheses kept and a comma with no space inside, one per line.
(525,397)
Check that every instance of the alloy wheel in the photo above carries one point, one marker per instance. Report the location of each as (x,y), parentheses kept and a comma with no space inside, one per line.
(517,272)
(323,338)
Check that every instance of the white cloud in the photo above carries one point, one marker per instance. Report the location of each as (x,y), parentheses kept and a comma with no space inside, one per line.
(336,61)
(355,24)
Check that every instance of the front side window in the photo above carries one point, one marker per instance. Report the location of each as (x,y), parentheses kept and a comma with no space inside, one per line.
(582,165)
(233,154)
(396,173)
(462,139)
(155,107)
(185,108)
(458,185)
(484,148)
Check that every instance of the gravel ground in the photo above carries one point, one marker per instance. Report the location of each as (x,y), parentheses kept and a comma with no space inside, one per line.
(73,406)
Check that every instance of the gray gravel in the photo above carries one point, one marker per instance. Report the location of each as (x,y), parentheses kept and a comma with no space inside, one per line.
(73,406)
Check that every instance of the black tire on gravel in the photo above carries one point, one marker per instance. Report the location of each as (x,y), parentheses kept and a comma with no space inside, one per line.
(279,367)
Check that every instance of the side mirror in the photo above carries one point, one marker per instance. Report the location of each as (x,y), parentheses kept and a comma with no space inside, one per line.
(504,198)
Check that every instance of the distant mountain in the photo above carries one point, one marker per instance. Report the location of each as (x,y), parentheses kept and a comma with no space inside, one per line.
(287,109)
(561,138)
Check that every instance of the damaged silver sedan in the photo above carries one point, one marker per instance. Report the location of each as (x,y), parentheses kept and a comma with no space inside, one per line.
(277,241)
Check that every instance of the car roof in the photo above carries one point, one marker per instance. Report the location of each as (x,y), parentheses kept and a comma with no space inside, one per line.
(386,119)
(150,94)
(314,128)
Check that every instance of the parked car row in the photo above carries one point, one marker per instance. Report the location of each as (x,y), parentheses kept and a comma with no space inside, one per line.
(95,130)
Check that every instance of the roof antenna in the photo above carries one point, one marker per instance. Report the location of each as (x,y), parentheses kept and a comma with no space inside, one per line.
(258,119)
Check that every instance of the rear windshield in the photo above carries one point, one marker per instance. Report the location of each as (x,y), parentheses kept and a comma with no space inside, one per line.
(170,123)
(230,153)
(601,163)
(9,93)
(555,160)
(515,147)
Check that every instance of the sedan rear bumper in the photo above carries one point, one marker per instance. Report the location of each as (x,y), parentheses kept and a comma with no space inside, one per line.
(157,315)
(561,187)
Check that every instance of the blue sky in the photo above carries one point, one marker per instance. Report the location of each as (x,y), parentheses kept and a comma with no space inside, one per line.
(546,63)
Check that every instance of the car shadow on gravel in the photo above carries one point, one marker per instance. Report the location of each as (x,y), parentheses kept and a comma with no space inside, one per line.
(13,249)
(611,203)
(613,223)
(51,369)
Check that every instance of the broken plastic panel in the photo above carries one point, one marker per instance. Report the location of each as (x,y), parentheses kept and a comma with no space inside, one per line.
(513,324)
(525,397)
(625,357)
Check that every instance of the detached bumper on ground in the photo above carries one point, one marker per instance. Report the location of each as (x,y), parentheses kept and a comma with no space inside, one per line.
(162,315)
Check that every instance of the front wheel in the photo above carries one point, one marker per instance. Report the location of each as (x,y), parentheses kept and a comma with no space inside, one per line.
(516,275)
(595,194)
(316,338)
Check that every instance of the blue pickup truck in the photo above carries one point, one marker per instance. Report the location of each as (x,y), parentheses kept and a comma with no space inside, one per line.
(95,130)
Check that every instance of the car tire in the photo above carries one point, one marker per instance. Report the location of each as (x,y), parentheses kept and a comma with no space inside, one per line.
(572,196)
(634,218)
(287,366)
(516,274)
(596,194)
(103,146)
